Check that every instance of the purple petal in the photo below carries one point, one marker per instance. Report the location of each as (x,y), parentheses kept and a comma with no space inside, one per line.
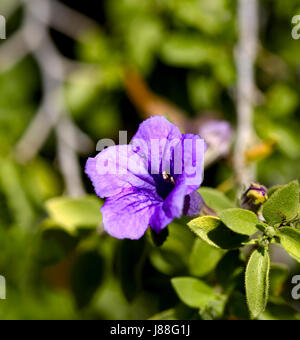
(160,219)
(189,171)
(128,214)
(155,137)
(193,204)
(173,205)
(118,168)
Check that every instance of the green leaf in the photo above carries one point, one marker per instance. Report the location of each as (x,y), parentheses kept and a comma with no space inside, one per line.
(213,231)
(257,281)
(283,205)
(72,214)
(193,292)
(273,189)
(215,199)
(278,276)
(240,221)
(204,258)
(290,241)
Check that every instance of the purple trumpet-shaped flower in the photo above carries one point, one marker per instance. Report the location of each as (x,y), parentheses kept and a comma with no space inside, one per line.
(149,182)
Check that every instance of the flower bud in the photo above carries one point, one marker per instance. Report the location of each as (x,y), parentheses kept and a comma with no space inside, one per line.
(270,232)
(254,197)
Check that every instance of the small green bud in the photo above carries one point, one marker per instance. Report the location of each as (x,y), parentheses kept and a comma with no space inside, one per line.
(263,242)
(270,232)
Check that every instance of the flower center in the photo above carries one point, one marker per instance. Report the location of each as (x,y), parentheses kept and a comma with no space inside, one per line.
(165,183)
(168,178)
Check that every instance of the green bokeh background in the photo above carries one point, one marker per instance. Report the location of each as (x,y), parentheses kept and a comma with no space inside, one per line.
(56,263)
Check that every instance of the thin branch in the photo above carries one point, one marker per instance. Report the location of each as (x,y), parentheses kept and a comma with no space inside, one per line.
(68,163)
(75,138)
(245,59)
(37,12)
(70,22)
(12,51)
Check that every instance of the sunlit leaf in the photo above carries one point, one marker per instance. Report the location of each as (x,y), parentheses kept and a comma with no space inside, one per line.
(215,199)
(240,221)
(193,292)
(72,214)
(290,241)
(257,281)
(283,205)
(213,231)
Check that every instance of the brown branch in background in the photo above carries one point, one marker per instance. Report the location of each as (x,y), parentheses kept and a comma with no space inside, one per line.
(148,103)
(245,60)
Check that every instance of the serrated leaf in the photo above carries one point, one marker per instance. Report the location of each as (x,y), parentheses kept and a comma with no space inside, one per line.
(215,199)
(240,221)
(283,205)
(213,231)
(290,241)
(193,292)
(204,258)
(257,281)
(71,214)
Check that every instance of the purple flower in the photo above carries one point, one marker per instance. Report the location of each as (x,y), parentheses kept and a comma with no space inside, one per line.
(149,182)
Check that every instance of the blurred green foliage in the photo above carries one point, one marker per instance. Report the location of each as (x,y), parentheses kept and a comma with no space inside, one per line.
(57,261)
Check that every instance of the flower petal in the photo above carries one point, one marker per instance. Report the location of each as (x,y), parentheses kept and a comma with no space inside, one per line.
(188,165)
(154,138)
(193,204)
(159,219)
(128,214)
(173,205)
(117,168)
(189,162)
